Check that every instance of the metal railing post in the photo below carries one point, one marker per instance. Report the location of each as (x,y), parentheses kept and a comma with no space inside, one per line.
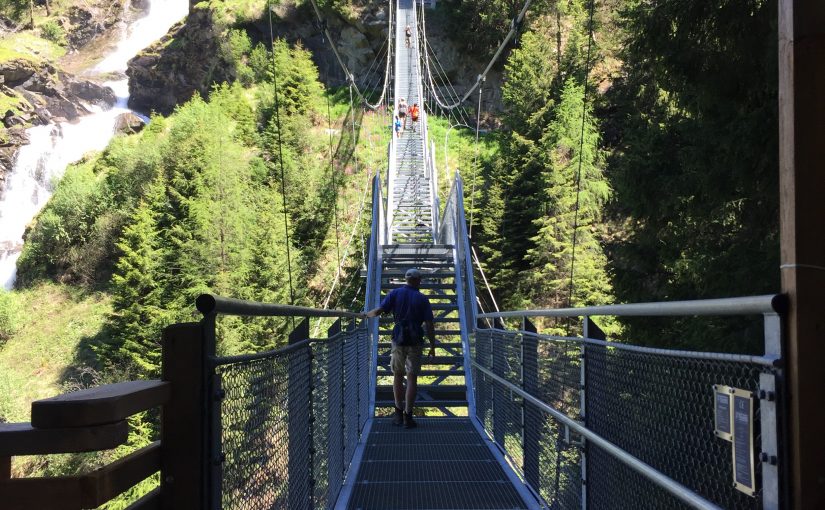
(589,330)
(335,400)
(769,396)
(531,417)
(299,427)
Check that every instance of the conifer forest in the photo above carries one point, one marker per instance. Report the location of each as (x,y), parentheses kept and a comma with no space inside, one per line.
(621,151)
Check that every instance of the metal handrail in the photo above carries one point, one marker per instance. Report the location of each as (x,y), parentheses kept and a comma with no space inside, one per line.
(665,482)
(751,305)
(712,356)
(210,304)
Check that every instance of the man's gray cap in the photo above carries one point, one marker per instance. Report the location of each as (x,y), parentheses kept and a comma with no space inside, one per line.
(413,273)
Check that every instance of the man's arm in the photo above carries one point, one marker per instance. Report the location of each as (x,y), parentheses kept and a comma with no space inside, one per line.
(374,313)
(431,335)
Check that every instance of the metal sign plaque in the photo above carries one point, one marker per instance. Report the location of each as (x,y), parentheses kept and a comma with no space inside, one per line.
(722,411)
(744,476)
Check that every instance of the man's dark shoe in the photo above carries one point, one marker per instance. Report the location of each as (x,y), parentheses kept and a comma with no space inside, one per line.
(398,417)
(409,423)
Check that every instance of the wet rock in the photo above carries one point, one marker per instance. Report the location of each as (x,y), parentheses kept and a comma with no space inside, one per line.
(10,141)
(16,71)
(91,91)
(10,120)
(85,24)
(16,136)
(128,123)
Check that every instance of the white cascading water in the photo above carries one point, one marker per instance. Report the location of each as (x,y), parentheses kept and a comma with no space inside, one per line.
(55,146)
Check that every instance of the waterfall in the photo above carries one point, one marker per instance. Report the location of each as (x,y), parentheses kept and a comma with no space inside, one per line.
(55,146)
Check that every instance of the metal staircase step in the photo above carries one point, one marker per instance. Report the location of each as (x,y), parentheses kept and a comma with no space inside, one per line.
(438,320)
(426,373)
(427,361)
(438,345)
(425,403)
(438,332)
(443,286)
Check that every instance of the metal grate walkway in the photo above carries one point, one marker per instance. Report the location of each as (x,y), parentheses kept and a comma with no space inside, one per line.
(444,463)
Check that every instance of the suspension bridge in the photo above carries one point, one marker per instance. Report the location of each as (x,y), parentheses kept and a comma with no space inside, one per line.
(516,418)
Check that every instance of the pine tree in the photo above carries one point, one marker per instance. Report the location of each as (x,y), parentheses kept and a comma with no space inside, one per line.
(565,156)
(136,288)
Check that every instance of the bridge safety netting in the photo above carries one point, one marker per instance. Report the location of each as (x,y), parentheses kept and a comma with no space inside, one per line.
(656,406)
(287,422)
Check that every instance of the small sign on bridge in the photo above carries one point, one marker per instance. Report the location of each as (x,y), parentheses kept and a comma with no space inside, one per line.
(733,413)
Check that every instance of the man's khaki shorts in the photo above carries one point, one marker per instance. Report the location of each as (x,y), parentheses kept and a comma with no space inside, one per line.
(406,359)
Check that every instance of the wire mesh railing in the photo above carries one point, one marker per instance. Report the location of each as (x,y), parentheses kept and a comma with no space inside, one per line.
(283,425)
(600,424)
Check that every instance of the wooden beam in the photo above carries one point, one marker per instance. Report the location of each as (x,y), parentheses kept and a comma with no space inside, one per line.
(150,501)
(84,491)
(111,480)
(5,468)
(102,404)
(802,216)
(23,439)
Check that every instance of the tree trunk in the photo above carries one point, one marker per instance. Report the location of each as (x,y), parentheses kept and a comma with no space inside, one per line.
(31,13)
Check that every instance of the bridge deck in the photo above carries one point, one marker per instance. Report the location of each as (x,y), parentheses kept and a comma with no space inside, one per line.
(444,463)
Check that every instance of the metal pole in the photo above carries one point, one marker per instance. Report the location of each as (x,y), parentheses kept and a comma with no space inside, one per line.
(801,27)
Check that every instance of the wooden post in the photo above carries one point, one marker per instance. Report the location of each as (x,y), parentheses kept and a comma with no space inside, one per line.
(5,468)
(183,463)
(802,215)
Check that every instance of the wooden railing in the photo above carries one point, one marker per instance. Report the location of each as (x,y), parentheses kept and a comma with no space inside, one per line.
(95,419)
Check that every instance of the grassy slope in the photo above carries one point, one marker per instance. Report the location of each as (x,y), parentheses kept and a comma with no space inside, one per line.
(53,320)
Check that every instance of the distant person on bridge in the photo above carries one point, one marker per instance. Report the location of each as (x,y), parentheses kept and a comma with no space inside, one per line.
(410,308)
(408,36)
(402,112)
(414,115)
(397,126)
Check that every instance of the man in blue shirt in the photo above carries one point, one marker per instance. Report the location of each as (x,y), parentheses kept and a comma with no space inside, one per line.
(410,308)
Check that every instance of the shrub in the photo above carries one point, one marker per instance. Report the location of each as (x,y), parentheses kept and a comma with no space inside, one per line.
(52,31)
(9,321)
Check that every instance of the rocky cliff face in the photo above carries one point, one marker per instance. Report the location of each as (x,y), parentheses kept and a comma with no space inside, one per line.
(187,60)
(39,92)
(36,91)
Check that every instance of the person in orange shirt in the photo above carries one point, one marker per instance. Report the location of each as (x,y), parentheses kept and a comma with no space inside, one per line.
(414,115)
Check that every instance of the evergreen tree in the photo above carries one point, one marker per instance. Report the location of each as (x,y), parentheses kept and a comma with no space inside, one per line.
(136,288)
(566,156)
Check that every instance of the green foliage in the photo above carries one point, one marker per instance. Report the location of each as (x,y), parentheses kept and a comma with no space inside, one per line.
(52,31)
(237,47)
(75,219)
(695,123)
(568,157)
(9,316)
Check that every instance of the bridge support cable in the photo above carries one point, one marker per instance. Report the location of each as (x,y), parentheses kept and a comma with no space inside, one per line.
(281,161)
(585,83)
(514,27)
(347,73)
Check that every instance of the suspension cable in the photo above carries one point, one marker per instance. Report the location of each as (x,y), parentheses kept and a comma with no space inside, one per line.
(281,161)
(475,164)
(334,182)
(581,149)
(347,73)
(514,26)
